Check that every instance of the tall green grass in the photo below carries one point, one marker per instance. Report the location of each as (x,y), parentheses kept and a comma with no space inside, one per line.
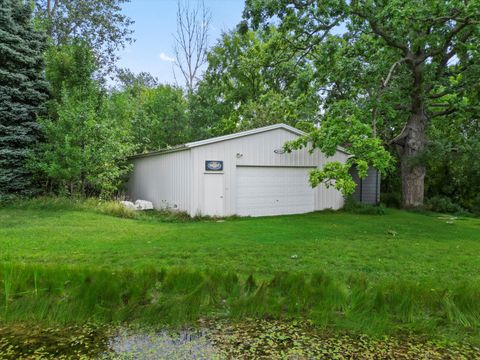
(62,295)
(106,207)
(47,203)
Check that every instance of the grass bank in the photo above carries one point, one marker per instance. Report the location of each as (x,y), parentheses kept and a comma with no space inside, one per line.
(59,295)
(67,263)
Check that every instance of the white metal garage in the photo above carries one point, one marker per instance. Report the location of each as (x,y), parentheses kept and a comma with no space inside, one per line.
(271,190)
(245,173)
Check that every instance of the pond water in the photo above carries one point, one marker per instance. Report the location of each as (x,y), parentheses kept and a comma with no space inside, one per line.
(185,344)
(249,339)
(92,342)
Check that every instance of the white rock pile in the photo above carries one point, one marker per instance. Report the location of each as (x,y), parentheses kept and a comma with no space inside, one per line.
(139,205)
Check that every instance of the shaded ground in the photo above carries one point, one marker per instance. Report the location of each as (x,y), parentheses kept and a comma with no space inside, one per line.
(250,339)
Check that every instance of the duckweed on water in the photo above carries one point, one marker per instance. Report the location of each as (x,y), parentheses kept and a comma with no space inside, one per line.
(262,339)
(26,341)
(250,339)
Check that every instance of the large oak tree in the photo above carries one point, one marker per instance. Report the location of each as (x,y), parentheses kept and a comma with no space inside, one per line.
(394,65)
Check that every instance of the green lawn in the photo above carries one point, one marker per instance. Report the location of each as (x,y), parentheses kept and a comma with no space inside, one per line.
(399,244)
(399,272)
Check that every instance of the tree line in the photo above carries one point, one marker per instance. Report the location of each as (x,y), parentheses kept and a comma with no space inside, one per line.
(395,83)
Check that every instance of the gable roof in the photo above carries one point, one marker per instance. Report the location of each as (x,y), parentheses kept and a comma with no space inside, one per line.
(193,144)
(245,133)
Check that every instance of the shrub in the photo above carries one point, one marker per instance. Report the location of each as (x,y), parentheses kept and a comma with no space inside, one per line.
(472,205)
(443,204)
(166,215)
(353,206)
(392,199)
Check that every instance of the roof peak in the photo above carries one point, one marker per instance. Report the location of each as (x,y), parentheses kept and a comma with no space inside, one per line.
(244,133)
(193,144)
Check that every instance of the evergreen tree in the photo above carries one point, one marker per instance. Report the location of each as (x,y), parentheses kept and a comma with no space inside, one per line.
(23,93)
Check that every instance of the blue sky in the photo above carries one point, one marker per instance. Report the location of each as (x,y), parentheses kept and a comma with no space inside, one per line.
(155,24)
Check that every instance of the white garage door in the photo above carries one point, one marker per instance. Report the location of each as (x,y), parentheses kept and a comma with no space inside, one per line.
(273,191)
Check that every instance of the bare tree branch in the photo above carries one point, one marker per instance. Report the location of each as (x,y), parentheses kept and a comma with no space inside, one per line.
(383,86)
(191,40)
(390,73)
(399,139)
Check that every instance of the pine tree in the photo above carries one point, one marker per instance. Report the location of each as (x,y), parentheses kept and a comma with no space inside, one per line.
(23,92)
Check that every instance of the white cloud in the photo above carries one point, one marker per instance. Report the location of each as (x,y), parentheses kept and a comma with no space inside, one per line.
(165,57)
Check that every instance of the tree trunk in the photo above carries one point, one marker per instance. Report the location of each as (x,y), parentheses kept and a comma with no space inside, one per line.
(412,169)
(412,143)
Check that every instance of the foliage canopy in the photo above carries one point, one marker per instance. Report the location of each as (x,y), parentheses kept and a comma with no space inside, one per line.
(400,63)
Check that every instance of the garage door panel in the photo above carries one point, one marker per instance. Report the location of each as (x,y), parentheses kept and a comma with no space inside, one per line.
(273,191)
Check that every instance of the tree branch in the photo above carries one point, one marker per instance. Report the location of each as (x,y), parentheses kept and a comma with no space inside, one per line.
(447,91)
(439,105)
(448,40)
(442,113)
(378,30)
(390,41)
(191,40)
(50,9)
(398,140)
(390,73)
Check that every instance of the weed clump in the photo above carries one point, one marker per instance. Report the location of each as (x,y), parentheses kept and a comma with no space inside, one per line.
(353,206)
(115,208)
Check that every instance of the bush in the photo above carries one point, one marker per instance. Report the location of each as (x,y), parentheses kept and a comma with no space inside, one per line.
(472,205)
(392,199)
(115,208)
(443,204)
(167,215)
(353,206)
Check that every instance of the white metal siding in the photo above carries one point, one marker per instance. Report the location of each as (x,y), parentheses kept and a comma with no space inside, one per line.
(257,150)
(272,190)
(165,180)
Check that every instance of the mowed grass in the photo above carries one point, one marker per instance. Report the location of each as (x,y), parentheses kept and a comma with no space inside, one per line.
(401,272)
(397,245)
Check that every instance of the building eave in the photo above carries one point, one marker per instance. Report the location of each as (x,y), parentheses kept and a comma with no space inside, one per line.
(213,140)
(161,152)
(244,133)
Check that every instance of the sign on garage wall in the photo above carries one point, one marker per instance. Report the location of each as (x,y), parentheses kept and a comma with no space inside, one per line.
(214,165)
